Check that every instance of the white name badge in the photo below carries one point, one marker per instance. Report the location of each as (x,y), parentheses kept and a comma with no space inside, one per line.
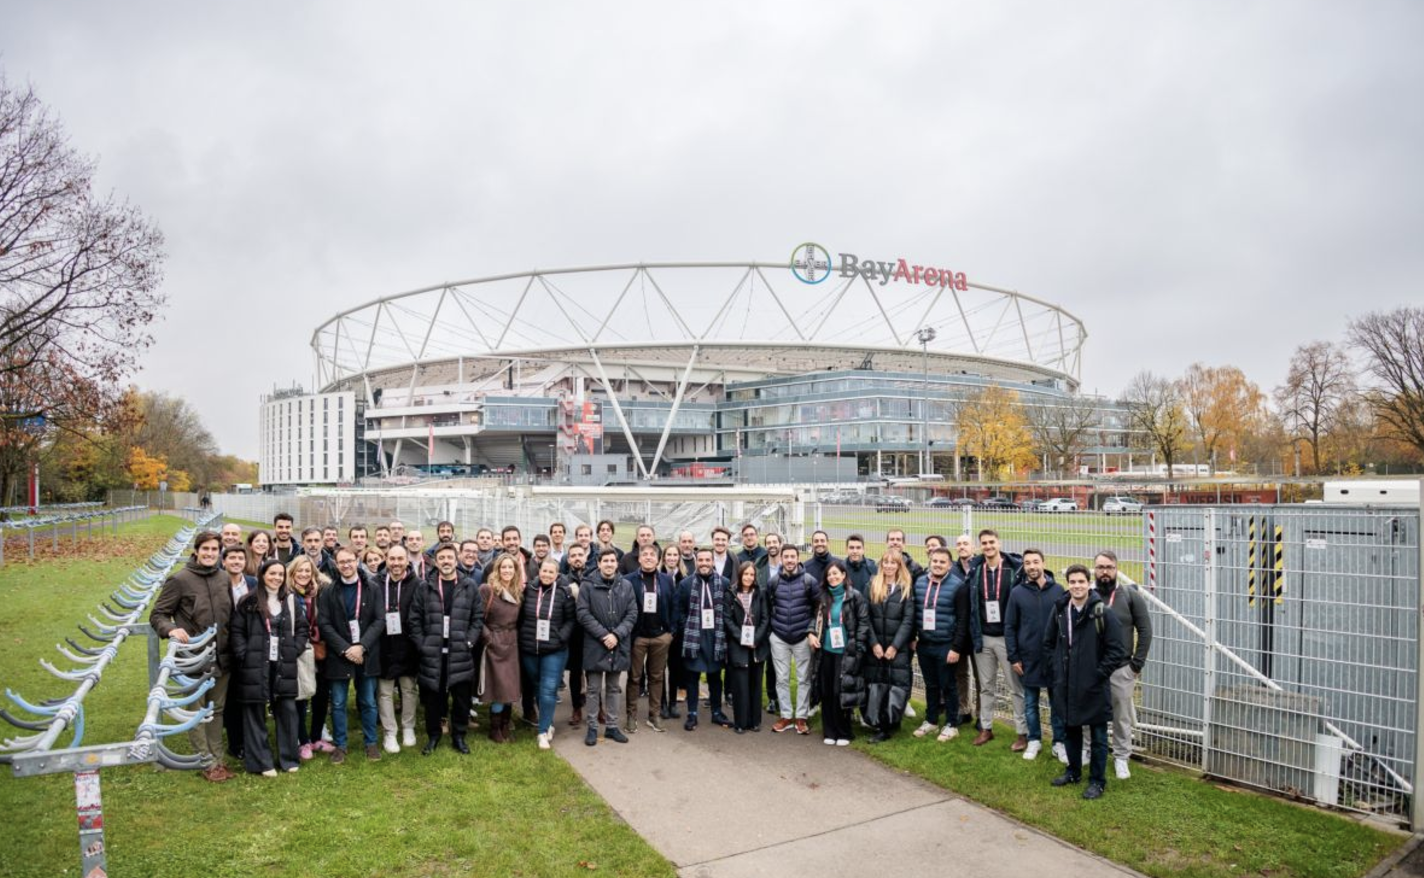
(445,627)
(991,612)
(239,592)
(354,630)
(748,635)
(271,649)
(393,623)
(929,622)
(709,620)
(650,602)
(541,629)
(838,637)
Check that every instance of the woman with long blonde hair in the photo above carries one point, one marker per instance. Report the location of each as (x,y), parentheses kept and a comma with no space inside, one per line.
(888,670)
(502,595)
(305,581)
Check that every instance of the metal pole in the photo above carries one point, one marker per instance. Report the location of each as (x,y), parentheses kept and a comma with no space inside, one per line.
(1209,630)
(1416,808)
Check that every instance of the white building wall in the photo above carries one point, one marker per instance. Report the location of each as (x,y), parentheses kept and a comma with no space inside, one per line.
(308,440)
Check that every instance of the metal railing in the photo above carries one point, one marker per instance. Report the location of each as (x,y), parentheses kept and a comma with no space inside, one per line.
(52,527)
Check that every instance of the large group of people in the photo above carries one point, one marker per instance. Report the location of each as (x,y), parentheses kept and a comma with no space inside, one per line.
(302,618)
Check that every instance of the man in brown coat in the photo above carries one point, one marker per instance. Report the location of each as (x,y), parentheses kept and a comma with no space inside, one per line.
(191,601)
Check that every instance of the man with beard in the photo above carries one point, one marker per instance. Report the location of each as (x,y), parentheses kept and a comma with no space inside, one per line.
(447,619)
(990,583)
(607,612)
(1135,630)
(574,572)
(701,606)
(400,660)
(793,595)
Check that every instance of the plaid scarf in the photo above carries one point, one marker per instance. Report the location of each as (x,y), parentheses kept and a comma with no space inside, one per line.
(692,627)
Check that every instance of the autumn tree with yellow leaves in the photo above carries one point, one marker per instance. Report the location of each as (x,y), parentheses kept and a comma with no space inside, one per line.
(994,430)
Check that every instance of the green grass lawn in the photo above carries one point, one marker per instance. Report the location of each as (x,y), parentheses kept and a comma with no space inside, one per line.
(510,810)
(1161,821)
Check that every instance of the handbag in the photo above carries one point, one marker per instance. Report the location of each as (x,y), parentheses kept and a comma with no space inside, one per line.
(306,662)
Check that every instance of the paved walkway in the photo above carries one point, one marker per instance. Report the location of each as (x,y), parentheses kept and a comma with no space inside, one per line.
(720,805)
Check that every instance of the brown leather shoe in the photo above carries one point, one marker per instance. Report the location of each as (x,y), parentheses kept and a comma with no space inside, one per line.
(576,718)
(1020,744)
(216,773)
(373,753)
(782,725)
(984,737)
(802,728)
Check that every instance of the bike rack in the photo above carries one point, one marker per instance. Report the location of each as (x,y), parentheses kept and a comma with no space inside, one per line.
(173,689)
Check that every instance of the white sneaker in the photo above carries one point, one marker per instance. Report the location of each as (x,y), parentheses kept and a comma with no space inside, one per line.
(326,734)
(1031,753)
(544,741)
(949,733)
(842,742)
(1120,766)
(910,711)
(390,745)
(408,738)
(815,710)
(924,729)
(1060,752)
(829,742)
(1087,757)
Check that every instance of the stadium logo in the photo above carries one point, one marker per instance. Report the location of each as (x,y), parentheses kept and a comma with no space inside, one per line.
(810,263)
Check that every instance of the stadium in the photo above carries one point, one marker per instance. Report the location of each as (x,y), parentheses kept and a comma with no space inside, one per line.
(795,371)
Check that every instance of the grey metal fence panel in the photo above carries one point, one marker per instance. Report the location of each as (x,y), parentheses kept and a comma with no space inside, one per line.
(1285,650)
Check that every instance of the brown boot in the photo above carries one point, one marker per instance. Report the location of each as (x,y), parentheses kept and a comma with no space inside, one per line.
(984,737)
(576,718)
(494,728)
(1020,744)
(506,727)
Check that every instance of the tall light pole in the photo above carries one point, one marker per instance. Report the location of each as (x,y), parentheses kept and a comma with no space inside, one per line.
(926,334)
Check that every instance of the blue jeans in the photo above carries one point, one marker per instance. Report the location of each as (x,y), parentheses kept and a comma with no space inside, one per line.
(547,670)
(365,704)
(1031,716)
(941,688)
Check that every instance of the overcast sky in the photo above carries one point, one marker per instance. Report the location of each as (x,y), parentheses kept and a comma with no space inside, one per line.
(1196,181)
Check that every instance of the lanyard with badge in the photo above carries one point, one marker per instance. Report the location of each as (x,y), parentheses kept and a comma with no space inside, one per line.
(444,616)
(542,626)
(837,632)
(352,625)
(709,616)
(748,625)
(991,607)
(271,640)
(931,604)
(393,617)
(650,597)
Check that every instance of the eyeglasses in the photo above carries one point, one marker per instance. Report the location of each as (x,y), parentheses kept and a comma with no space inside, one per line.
(1105,567)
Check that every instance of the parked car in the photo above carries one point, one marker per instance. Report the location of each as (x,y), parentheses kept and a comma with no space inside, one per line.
(1121,506)
(998,503)
(1030,505)
(1058,504)
(890,503)
(939,503)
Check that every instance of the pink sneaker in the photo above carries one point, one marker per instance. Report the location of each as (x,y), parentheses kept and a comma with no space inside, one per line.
(305,752)
(323,747)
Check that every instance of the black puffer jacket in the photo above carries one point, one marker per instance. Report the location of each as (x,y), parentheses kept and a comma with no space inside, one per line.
(553,602)
(892,623)
(399,657)
(467,616)
(248,635)
(734,618)
(855,616)
(333,620)
(607,607)
(1078,674)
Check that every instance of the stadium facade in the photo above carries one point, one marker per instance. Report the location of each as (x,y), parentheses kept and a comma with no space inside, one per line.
(639,371)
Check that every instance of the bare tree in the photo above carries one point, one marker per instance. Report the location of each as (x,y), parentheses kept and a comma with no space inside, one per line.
(1393,344)
(1063,430)
(1154,406)
(1318,382)
(79,273)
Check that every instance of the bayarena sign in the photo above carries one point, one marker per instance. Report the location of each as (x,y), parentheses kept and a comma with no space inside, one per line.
(811,263)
